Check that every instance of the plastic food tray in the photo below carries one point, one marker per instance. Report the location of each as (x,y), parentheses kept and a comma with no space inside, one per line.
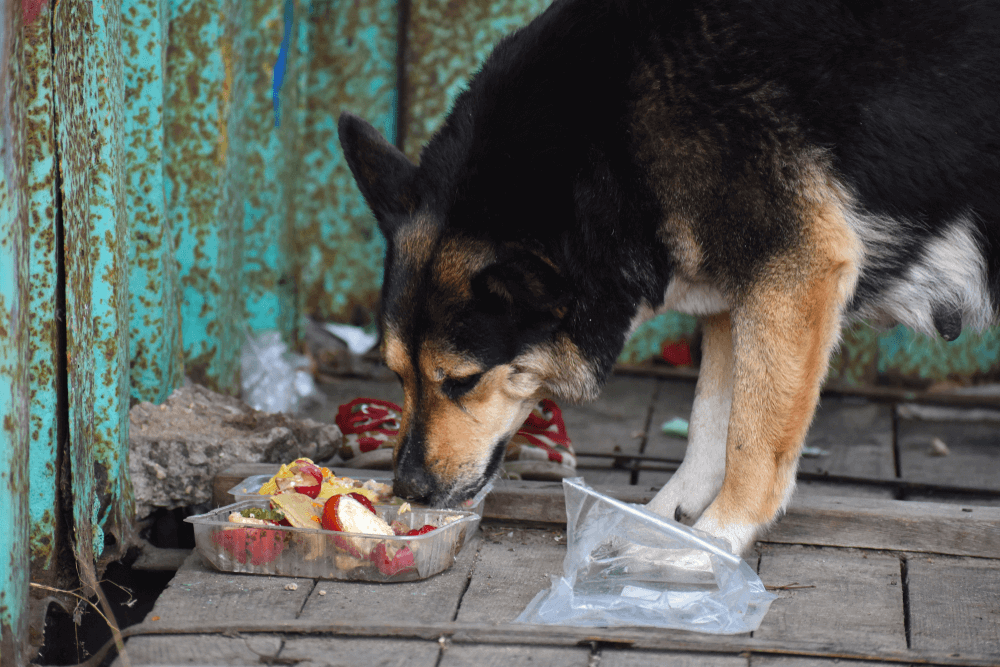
(327,554)
(249,487)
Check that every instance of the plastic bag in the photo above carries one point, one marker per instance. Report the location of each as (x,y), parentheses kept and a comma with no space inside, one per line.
(626,566)
(274,379)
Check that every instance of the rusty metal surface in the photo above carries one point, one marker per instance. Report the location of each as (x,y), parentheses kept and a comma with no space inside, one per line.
(446,43)
(18,44)
(196,117)
(89,102)
(35,113)
(910,357)
(351,65)
(267,169)
(154,333)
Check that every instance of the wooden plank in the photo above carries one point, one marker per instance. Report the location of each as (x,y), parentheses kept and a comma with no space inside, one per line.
(620,658)
(349,652)
(673,399)
(858,436)
(863,522)
(972,461)
(785,661)
(513,565)
(493,655)
(855,599)
(200,650)
(954,604)
(434,600)
(460,633)
(615,422)
(200,593)
(807,488)
(605,476)
(871,523)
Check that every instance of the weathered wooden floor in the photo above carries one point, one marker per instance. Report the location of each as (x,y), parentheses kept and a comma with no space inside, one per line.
(867,571)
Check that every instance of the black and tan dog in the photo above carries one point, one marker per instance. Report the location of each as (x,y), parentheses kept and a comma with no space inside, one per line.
(776,167)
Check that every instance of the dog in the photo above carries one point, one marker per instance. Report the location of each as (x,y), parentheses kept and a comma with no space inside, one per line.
(775,167)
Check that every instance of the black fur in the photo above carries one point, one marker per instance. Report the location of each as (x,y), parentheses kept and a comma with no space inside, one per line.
(556,151)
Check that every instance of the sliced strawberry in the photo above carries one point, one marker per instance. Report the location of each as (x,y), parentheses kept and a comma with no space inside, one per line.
(262,545)
(306,470)
(423,530)
(400,561)
(363,500)
(331,520)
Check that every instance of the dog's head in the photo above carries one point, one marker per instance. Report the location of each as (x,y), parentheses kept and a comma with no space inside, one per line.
(471,324)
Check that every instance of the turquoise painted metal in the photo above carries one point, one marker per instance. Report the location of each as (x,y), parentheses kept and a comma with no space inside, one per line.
(200,193)
(89,103)
(154,333)
(904,355)
(18,47)
(267,164)
(447,42)
(350,53)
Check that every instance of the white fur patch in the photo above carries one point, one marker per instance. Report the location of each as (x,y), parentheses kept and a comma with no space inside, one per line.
(951,271)
(740,536)
(691,298)
(700,476)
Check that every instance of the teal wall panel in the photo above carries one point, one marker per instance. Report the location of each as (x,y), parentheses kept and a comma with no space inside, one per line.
(905,355)
(17,44)
(267,162)
(351,65)
(155,333)
(44,335)
(447,42)
(89,99)
(199,190)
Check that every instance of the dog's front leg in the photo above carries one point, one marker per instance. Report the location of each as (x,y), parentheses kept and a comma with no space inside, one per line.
(699,478)
(783,333)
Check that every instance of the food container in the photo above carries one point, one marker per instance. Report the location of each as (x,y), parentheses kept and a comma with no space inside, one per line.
(328,554)
(249,487)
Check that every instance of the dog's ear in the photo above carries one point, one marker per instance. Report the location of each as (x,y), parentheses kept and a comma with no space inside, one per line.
(524,287)
(382,172)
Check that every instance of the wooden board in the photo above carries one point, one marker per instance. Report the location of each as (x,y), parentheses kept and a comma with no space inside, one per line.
(673,399)
(786,661)
(359,652)
(199,593)
(513,565)
(855,599)
(972,461)
(871,523)
(615,422)
(433,600)
(619,658)
(955,604)
(858,436)
(200,650)
(493,655)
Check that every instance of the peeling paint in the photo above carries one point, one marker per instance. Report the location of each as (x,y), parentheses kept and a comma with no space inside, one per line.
(155,351)
(16,51)
(89,97)
(351,51)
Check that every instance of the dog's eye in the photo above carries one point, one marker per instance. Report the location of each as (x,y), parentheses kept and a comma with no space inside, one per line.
(455,388)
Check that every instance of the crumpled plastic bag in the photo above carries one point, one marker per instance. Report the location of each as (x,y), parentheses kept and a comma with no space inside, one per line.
(274,379)
(626,566)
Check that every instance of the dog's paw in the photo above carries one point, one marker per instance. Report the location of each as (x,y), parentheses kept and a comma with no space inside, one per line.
(684,498)
(739,535)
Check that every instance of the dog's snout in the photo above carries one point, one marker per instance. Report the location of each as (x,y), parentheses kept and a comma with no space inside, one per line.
(412,482)
(414,485)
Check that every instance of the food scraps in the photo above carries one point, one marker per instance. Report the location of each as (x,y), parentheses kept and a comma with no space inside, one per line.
(350,515)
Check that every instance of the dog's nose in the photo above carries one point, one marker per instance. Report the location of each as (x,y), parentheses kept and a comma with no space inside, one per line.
(412,481)
(414,485)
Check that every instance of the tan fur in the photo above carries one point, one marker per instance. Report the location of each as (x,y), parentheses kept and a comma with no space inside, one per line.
(784,330)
